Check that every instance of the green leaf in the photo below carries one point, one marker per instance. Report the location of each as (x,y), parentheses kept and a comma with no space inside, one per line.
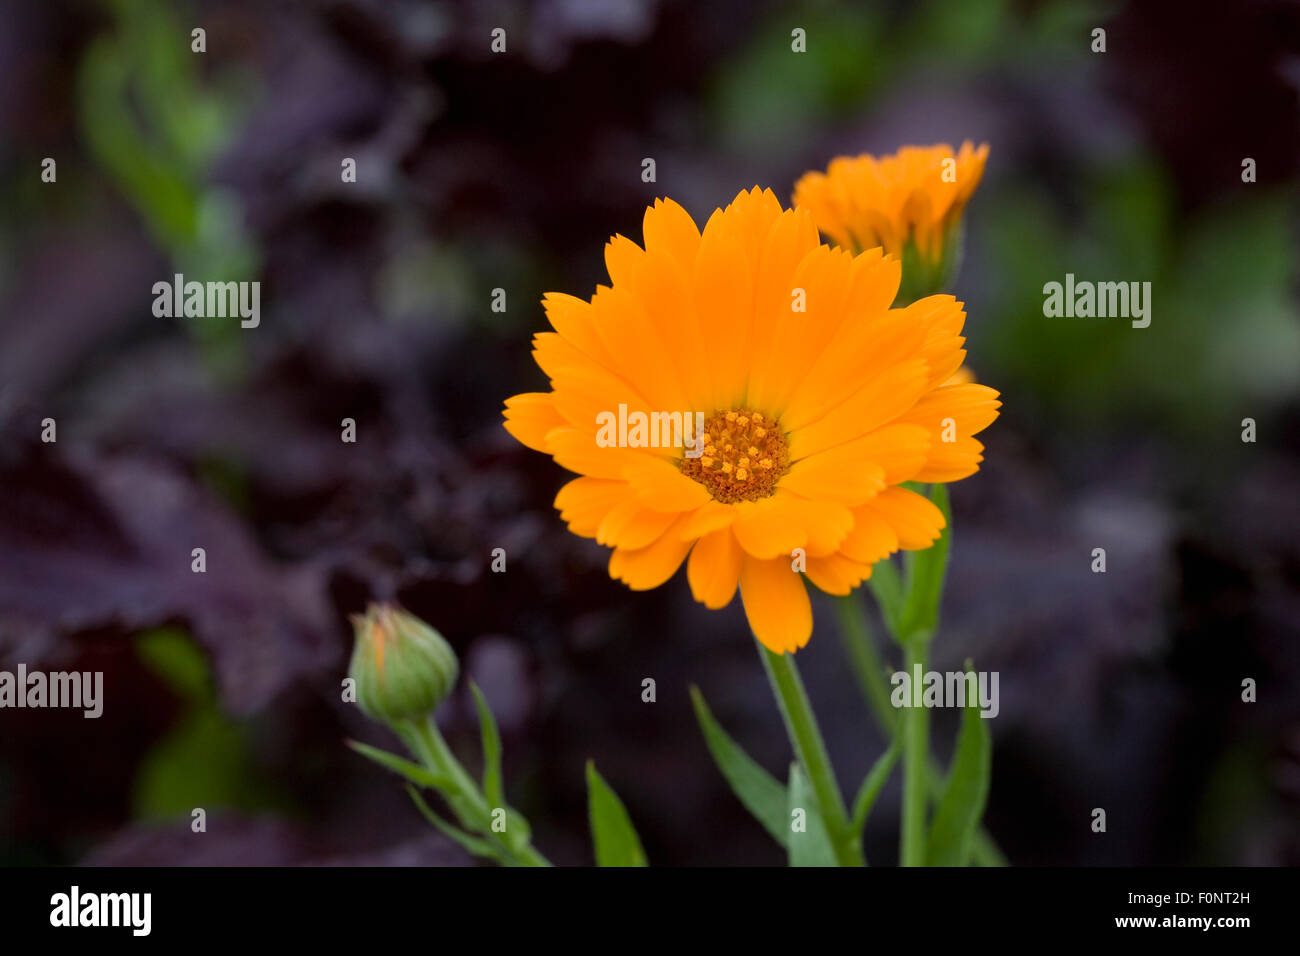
(925,573)
(472,844)
(952,831)
(872,784)
(492,785)
(810,845)
(434,771)
(411,771)
(984,852)
(518,833)
(757,790)
(612,832)
(887,587)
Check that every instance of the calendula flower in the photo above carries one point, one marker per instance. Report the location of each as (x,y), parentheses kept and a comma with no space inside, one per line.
(909,203)
(817,400)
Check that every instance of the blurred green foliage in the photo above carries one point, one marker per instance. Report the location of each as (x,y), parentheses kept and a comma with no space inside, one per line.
(204,760)
(1223,342)
(155,125)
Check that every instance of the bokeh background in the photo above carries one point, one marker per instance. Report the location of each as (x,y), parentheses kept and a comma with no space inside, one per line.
(479,171)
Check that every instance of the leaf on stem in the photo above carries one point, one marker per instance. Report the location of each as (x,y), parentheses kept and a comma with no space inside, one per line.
(493,788)
(754,787)
(952,832)
(919,615)
(872,784)
(612,832)
(887,587)
(472,844)
(411,771)
(810,844)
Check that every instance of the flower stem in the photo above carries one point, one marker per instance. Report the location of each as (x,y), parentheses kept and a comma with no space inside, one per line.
(810,749)
(869,669)
(864,658)
(916,758)
(426,742)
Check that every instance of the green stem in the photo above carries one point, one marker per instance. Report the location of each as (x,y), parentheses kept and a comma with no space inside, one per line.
(864,658)
(984,852)
(528,856)
(868,667)
(426,742)
(810,749)
(916,759)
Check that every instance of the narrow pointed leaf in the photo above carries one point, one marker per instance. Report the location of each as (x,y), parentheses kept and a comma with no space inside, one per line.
(952,832)
(754,787)
(493,788)
(612,832)
(872,784)
(472,844)
(411,771)
(518,831)
(467,811)
(887,587)
(919,615)
(810,844)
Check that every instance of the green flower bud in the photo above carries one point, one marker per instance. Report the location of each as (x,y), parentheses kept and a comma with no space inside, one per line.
(403,668)
(922,275)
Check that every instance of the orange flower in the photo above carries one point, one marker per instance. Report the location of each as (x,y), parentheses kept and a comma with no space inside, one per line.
(909,203)
(817,400)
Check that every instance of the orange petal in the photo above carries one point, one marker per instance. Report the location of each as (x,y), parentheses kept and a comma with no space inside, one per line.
(770,527)
(639,355)
(792,237)
(953,461)
(915,519)
(861,351)
(660,485)
(825,275)
(714,568)
(530,416)
(577,451)
(669,229)
(622,259)
(776,604)
(571,317)
(822,477)
(943,317)
(899,451)
(872,538)
(723,289)
(651,566)
(825,523)
(836,574)
(879,402)
(971,407)
(712,516)
(632,526)
(584,502)
(663,288)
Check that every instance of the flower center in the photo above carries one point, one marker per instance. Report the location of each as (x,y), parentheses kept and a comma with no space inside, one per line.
(745,454)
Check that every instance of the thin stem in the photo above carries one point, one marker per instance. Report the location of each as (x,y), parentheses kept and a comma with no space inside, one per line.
(427,742)
(916,758)
(869,669)
(810,749)
(868,666)
(984,852)
(435,745)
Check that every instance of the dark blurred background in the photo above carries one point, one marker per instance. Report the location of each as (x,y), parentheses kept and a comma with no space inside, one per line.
(478,171)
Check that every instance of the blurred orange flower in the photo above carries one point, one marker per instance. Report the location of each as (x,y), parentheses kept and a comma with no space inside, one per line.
(909,203)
